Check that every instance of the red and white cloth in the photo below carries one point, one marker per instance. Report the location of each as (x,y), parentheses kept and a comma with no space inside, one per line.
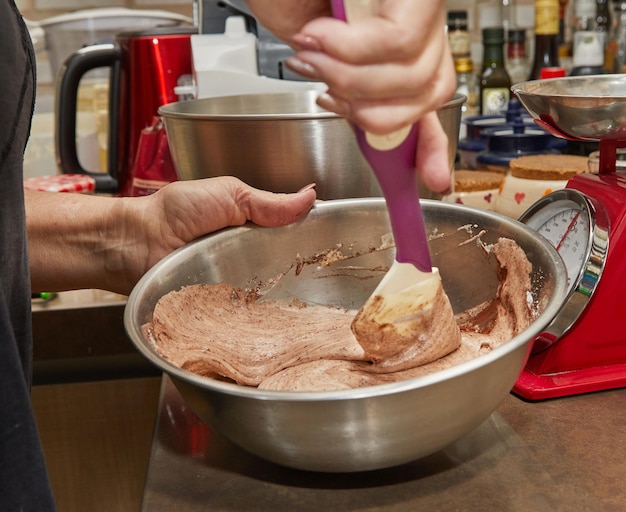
(79,183)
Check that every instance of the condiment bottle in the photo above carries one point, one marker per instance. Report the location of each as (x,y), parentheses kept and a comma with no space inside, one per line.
(467,85)
(495,82)
(565,35)
(615,57)
(508,17)
(517,60)
(603,23)
(458,36)
(603,16)
(546,36)
(588,53)
(587,42)
(556,72)
(584,15)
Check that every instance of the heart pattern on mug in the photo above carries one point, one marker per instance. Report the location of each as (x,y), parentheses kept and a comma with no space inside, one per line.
(519,197)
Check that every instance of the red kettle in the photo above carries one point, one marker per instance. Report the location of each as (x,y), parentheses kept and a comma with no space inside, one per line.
(145,67)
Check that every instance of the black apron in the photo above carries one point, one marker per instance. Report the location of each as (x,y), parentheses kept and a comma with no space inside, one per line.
(24,483)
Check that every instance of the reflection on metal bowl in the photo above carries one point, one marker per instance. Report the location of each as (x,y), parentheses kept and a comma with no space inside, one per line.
(578,107)
(372,427)
(279,142)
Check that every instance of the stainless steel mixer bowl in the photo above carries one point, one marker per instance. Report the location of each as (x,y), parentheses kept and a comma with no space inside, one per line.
(578,107)
(372,427)
(279,142)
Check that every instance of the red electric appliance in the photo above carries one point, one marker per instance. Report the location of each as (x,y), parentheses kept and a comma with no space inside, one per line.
(584,349)
(145,67)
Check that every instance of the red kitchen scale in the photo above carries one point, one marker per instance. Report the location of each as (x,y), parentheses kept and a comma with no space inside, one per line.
(584,348)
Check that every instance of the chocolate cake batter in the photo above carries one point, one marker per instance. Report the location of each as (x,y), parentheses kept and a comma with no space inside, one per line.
(220,331)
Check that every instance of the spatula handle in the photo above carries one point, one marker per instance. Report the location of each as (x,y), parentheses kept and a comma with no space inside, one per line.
(395,171)
(392,159)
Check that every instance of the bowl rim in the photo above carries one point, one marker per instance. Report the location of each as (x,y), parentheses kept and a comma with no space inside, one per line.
(542,88)
(180,109)
(552,307)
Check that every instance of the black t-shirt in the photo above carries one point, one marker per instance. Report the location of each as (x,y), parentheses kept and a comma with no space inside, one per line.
(23,480)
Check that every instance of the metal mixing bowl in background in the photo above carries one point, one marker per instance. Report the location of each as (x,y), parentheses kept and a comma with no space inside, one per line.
(367,428)
(279,142)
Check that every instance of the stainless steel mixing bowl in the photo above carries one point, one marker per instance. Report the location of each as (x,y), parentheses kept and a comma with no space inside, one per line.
(377,426)
(279,142)
(578,107)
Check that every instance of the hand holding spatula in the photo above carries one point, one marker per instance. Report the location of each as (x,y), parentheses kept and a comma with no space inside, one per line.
(408,319)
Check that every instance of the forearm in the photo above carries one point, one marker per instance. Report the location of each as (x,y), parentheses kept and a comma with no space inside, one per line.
(84,241)
(77,241)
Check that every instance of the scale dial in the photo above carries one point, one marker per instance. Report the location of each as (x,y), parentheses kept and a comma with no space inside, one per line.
(578,229)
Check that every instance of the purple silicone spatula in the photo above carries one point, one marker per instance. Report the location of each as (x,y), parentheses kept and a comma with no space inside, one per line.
(411,282)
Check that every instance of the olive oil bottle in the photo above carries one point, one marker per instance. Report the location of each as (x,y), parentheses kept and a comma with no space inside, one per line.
(495,82)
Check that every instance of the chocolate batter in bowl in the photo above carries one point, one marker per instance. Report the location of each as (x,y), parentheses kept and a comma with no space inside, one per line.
(369,427)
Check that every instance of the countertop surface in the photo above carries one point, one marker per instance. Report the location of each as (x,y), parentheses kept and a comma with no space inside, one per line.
(562,454)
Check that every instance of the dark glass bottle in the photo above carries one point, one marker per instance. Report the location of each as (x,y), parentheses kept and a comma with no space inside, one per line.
(458,36)
(603,24)
(603,16)
(546,37)
(562,16)
(495,82)
(615,61)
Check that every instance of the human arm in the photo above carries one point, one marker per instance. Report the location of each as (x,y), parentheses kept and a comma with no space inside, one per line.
(82,241)
(382,73)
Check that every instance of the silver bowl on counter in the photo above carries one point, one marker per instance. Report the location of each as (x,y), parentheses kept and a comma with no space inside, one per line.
(372,427)
(279,142)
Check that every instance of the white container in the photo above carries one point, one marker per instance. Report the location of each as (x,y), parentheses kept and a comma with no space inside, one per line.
(518,194)
(533,176)
(226,65)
